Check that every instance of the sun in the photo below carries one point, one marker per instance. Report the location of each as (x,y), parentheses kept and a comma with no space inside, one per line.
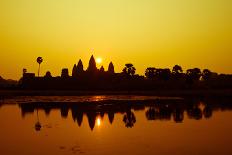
(99,60)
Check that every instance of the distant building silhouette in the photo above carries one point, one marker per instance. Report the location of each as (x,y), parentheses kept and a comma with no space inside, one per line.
(29,75)
(64,73)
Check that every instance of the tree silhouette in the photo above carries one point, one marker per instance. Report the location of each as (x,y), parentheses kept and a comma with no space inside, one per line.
(193,75)
(129,69)
(48,74)
(39,61)
(206,74)
(163,74)
(177,69)
(150,72)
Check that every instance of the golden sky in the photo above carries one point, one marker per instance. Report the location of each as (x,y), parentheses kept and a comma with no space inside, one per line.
(159,33)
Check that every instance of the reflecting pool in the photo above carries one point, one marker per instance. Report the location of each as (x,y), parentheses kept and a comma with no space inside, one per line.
(115,125)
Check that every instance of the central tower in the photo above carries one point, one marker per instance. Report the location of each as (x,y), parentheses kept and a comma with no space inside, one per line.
(92,68)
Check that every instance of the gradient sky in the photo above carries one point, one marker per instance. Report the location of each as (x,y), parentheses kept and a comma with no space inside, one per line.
(159,33)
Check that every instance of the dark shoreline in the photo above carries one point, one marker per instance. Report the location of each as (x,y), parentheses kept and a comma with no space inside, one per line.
(168,93)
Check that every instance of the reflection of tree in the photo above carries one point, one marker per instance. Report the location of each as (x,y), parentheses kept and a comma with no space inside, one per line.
(195,113)
(165,113)
(207,112)
(129,119)
(150,114)
(37,124)
(47,110)
(178,115)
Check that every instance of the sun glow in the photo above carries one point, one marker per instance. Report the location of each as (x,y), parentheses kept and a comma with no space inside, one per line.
(98,122)
(99,60)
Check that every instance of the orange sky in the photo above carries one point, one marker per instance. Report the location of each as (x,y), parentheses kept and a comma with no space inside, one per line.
(161,33)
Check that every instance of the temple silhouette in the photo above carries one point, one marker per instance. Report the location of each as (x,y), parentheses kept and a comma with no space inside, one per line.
(79,79)
(100,79)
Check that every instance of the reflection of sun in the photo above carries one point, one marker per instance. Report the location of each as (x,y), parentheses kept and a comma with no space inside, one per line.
(97,98)
(98,121)
(99,60)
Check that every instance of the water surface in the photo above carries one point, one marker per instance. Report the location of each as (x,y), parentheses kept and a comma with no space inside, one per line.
(115,125)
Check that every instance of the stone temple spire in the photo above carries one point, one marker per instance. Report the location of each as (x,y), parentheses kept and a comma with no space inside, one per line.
(92,68)
(80,67)
(111,68)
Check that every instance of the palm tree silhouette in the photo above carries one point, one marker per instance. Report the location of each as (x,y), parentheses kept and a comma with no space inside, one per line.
(39,61)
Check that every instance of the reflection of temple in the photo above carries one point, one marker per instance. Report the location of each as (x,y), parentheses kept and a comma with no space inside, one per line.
(155,110)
